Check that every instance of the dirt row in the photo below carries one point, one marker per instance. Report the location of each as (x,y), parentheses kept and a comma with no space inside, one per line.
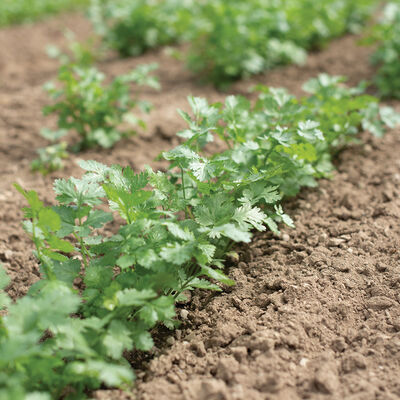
(314,313)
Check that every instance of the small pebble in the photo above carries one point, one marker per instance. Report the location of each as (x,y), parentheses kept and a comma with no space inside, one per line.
(381,267)
(379,303)
(304,362)
(8,254)
(335,242)
(170,340)
(199,348)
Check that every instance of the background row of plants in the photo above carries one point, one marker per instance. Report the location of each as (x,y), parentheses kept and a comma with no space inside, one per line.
(386,36)
(120,248)
(102,114)
(228,39)
(17,11)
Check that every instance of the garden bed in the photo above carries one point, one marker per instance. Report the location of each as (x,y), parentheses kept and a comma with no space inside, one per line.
(314,314)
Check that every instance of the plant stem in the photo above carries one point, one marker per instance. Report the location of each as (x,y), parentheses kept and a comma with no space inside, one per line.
(85,254)
(183,184)
(47,269)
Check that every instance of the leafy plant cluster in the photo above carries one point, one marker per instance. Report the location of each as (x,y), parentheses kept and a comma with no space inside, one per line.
(228,39)
(387,35)
(93,110)
(100,114)
(17,11)
(131,28)
(120,248)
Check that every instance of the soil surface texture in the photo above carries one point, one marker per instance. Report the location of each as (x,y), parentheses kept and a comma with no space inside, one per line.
(315,313)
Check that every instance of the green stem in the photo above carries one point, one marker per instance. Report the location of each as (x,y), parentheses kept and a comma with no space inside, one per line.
(183,286)
(85,253)
(46,268)
(183,184)
(189,211)
(268,154)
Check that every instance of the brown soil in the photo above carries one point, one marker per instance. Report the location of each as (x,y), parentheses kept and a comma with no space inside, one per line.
(314,314)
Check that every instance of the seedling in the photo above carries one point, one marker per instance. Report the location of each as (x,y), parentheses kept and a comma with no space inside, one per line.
(94,110)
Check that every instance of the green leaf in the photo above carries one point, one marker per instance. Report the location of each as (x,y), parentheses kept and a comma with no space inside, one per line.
(143,340)
(232,232)
(32,198)
(97,276)
(4,281)
(181,153)
(302,151)
(146,257)
(207,250)
(176,253)
(308,130)
(202,169)
(217,275)
(285,218)
(58,244)
(117,339)
(272,225)
(67,271)
(133,297)
(78,191)
(271,195)
(160,309)
(54,255)
(204,284)
(38,396)
(4,278)
(95,167)
(98,218)
(125,261)
(178,232)
(112,375)
(53,135)
(246,214)
(389,117)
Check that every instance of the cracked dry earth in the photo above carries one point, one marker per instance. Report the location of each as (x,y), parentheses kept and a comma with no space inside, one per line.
(315,313)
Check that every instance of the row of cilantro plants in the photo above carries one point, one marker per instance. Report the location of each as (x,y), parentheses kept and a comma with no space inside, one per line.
(96,111)
(386,34)
(18,11)
(104,289)
(228,39)
(120,248)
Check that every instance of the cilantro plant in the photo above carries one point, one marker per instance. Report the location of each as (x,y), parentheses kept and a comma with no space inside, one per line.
(46,354)
(387,35)
(18,11)
(132,27)
(239,38)
(51,157)
(83,53)
(228,39)
(171,230)
(94,110)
